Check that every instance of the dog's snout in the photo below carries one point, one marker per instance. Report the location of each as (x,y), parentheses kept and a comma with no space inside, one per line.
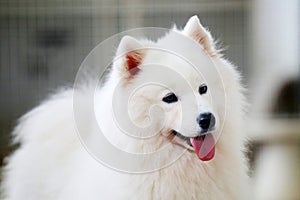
(206,120)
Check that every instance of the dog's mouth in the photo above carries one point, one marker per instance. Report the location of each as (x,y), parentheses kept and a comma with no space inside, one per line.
(203,145)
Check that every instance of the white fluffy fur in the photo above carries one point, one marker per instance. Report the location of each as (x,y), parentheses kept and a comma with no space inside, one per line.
(52,164)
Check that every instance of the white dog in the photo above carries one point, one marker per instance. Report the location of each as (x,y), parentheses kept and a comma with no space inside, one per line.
(189,126)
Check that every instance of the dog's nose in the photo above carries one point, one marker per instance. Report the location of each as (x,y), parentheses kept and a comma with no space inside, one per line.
(206,120)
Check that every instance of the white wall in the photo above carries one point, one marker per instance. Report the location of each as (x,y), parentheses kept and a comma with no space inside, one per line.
(275,47)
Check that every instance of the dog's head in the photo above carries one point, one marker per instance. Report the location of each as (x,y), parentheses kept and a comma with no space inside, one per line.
(175,86)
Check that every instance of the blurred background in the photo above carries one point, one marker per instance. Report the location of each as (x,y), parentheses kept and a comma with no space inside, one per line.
(43,42)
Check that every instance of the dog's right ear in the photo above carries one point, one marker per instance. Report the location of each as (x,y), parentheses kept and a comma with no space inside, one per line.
(129,57)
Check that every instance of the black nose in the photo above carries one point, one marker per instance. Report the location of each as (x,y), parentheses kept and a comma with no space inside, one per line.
(206,120)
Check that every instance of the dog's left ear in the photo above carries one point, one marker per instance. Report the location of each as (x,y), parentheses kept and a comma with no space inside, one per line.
(129,56)
(197,32)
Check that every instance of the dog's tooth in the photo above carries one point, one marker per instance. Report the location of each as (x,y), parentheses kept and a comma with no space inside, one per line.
(189,142)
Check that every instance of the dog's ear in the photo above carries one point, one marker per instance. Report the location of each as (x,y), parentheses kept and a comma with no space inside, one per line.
(129,56)
(197,32)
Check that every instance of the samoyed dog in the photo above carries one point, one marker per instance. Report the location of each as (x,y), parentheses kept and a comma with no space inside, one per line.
(170,116)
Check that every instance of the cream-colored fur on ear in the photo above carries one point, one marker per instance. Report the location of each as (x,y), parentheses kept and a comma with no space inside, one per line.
(131,54)
(128,44)
(197,32)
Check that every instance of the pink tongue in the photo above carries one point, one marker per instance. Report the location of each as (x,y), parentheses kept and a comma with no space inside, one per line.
(204,147)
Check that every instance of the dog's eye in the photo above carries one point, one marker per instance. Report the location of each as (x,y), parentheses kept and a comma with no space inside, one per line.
(202,89)
(170,98)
